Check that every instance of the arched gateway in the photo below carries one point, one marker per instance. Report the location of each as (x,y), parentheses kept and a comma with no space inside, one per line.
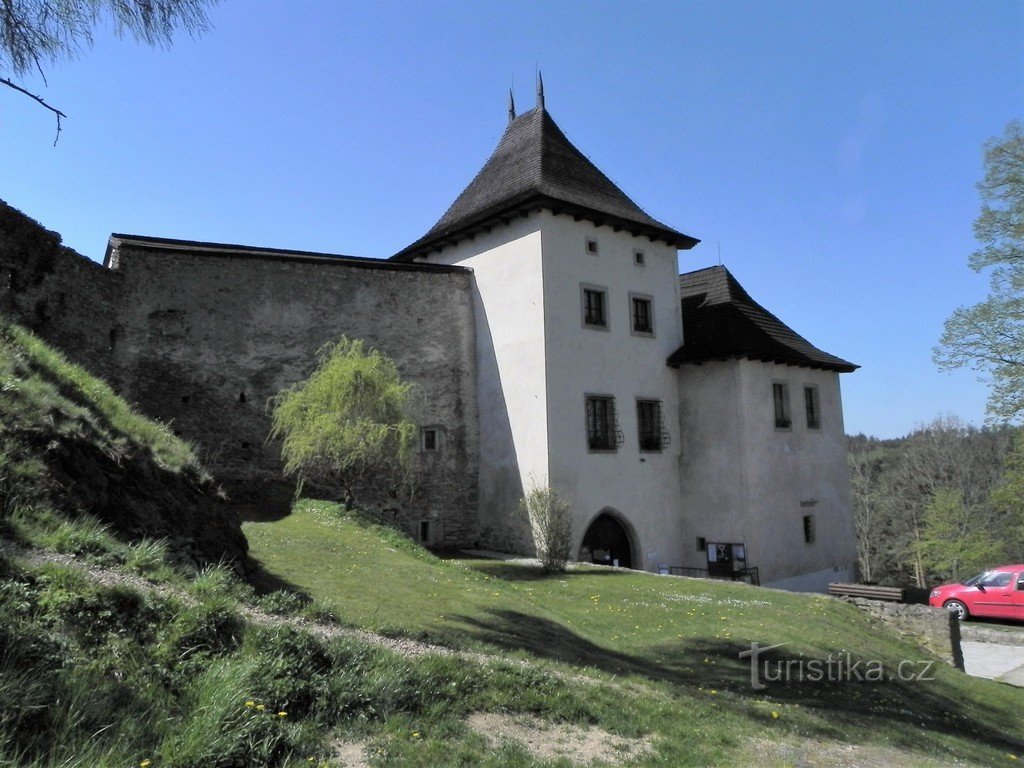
(608,542)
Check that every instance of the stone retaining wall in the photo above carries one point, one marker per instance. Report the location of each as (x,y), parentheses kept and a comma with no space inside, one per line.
(935,629)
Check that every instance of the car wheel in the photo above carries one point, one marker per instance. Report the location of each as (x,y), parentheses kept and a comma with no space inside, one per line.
(957,608)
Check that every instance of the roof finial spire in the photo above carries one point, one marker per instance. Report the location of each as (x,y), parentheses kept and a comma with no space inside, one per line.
(540,90)
(511,106)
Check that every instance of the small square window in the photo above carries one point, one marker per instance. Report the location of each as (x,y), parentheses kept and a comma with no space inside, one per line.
(641,315)
(595,314)
(638,258)
(592,247)
(603,432)
(429,439)
(780,395)
(808,529)
(812,407)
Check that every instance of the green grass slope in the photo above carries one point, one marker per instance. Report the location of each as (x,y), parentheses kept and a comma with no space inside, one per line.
(69,444)
(669,645)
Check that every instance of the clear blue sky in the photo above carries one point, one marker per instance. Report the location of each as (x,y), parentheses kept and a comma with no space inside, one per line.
(830,150)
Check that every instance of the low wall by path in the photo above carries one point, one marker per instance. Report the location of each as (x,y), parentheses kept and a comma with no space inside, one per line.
(935,629)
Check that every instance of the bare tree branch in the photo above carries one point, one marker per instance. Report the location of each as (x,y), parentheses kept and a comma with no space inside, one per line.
(41,100)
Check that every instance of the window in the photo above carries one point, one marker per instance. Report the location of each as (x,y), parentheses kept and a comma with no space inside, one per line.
(702,544)
(653,435)
(429,439)
(995,579)
(780,394)
(592,247)
(642,315)
(423,531)
(638,258)
(808,529)
(812,407)
(595,314)
(603,432)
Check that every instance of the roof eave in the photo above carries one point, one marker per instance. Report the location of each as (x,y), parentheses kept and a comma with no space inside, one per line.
(675,360)
(434,242)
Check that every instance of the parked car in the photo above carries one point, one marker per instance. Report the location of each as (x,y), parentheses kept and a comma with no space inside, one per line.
(998,594)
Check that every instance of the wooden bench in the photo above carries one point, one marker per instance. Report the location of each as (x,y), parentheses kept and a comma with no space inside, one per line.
(867,591)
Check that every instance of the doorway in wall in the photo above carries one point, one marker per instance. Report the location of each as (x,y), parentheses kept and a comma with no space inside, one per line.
(607,542)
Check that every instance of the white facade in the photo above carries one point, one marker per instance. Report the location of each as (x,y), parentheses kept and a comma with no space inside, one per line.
(745,481)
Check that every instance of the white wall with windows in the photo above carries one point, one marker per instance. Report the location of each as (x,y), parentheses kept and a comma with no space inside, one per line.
(767,473)
(616,360)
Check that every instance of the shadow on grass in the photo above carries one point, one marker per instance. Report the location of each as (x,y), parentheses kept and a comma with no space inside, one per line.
(925,708)
(264,582)
(501,569)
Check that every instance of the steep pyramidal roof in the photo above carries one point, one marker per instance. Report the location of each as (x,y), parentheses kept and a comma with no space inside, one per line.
(721,322)
(534,167)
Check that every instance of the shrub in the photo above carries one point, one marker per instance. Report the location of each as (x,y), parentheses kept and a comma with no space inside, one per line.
(346,423)
(551,527)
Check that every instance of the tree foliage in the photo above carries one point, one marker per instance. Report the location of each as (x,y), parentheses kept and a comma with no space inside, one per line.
(989,336)
(346,424)
(38,33)
(924,504)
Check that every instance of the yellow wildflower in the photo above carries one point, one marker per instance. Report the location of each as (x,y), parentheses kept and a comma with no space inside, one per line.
(145,763)
(250,703)
(260,707)
(282,714)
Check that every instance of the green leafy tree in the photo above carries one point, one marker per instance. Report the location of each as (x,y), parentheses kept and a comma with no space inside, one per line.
(346,424)
(36,33)
(989,337)
(551,527)
(953,543)
(1008,500)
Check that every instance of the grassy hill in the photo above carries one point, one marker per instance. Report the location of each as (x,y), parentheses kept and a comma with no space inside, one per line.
(665,650)
(352,646)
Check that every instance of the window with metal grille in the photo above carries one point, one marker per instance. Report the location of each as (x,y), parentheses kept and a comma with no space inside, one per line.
(643,321)
(653,435)
(603,432)
(812,407)
(780,394)
(593,307)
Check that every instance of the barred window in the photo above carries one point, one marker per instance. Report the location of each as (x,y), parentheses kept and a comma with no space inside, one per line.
(652,432)
(602,427)
(642,321)
(593,307)
(812,407)
(780,394)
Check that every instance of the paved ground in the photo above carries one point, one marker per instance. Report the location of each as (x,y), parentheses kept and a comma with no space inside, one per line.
(995,652)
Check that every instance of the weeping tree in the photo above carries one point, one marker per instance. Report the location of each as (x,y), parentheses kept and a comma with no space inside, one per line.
(346,425)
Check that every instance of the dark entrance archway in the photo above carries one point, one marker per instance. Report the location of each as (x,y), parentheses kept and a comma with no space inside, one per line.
(607,541)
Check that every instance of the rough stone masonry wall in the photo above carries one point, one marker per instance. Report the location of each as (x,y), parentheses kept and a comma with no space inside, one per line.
(211,335)
(935,629)
(60,295)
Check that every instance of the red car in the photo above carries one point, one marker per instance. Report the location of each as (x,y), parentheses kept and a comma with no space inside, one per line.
(998,594)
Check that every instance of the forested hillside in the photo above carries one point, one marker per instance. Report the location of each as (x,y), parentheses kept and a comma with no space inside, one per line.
(937,505)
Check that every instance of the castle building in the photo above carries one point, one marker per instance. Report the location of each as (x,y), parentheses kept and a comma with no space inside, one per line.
(552,342)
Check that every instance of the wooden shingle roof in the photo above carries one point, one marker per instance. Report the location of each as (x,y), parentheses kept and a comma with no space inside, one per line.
(722,322)
(536,167)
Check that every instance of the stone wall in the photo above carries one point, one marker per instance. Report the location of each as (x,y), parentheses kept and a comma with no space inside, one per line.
(935,629)
(211,333)
(201,336)
(63,297)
